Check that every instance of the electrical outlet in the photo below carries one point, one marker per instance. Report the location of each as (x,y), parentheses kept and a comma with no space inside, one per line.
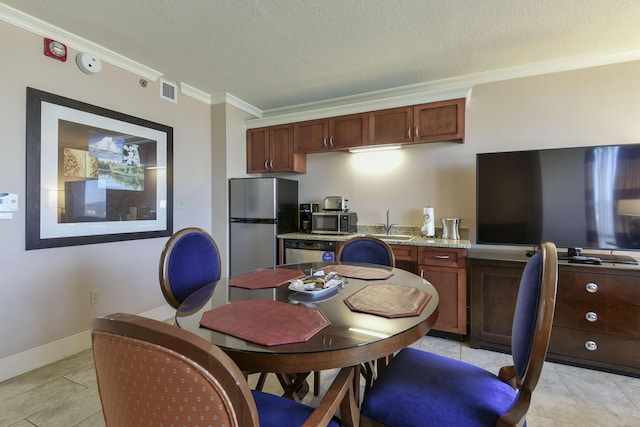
(94,296)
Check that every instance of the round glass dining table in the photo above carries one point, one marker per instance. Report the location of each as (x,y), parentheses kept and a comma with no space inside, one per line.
(351,339)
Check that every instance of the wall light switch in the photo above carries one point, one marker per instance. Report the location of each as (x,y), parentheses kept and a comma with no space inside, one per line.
(8,202)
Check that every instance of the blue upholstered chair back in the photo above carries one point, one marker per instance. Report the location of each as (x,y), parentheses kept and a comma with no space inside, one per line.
(189,261)
(526,313)
(367,249)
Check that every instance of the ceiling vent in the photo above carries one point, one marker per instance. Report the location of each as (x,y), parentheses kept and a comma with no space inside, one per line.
(168,91)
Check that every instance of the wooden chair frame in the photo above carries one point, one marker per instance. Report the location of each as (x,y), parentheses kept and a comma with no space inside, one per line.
(339,396)
(516,414)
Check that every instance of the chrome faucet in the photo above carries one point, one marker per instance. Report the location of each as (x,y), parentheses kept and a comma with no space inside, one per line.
(387,226)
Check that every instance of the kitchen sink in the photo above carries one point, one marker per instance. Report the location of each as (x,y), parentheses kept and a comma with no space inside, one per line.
(403,237)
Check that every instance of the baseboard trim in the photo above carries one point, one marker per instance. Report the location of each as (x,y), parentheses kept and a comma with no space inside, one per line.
(16,364)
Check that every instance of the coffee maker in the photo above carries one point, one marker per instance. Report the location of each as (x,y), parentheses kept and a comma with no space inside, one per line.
(306,211)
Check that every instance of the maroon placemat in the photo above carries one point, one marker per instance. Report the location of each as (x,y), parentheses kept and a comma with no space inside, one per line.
(265,278)
(265,322)
(358,272)
(388,300)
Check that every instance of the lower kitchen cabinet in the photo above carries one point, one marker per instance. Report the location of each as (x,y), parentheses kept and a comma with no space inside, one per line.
(406,257)
(445,269)
(597,316)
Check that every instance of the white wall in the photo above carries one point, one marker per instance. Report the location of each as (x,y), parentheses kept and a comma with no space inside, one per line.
(45,293)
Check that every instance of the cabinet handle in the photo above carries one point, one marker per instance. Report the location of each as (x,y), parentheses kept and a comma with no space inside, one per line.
(591,345)
(591,316)
(409,132)
(591,287)
(416,132)
(421,273)
(266,164)
(271,164)
(441,256)
(324,142)
(331,141)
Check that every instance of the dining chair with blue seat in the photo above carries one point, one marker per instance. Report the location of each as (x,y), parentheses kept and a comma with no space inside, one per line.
(419,388)
(189,260)
(367,249)
(153,373)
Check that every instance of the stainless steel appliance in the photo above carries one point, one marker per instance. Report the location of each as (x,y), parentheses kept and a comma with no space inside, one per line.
(335,203)
(306,209)
(259,209)
(334,222)
(309,251)
(450,228)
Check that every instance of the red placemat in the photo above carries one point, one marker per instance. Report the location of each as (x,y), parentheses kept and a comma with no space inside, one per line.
(265,322)
(265,278)
(358,272)
(388,300)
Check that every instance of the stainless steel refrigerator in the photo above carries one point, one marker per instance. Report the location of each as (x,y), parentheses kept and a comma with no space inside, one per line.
(259,209)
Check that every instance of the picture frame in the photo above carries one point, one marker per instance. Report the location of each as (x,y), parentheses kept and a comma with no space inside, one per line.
(94,175)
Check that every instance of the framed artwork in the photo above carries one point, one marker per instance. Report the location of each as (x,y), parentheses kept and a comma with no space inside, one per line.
(94,175)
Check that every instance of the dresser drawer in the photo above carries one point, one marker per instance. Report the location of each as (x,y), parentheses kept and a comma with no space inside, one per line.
(443,257)
(597,317)
(593,286)
(595,347)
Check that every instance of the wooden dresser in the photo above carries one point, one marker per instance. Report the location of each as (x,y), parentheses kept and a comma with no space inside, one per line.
(597,317)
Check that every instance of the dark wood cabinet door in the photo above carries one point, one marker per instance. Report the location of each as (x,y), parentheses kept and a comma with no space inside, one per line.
(493,293)
(451,286)
(258,150)
(281,141)
(439,121)
(311,136)
(348,131)
(392,126)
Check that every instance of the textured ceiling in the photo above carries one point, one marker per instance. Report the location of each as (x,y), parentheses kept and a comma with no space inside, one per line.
(281,53)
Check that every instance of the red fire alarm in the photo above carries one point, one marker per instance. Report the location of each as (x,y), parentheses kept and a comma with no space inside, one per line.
(54,49)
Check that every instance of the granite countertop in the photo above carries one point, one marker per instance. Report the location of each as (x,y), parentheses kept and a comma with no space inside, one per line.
(418,240)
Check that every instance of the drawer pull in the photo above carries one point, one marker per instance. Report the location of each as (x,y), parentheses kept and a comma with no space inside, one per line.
(591,287)
(591,345)
(591,316)
(441,256)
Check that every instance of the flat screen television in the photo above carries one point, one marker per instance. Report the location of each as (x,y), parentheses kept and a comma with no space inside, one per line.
(578,198)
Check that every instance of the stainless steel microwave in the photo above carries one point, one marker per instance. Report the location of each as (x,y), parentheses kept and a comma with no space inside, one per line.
(334,222)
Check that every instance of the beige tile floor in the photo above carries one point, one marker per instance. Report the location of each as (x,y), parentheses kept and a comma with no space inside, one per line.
(64,393)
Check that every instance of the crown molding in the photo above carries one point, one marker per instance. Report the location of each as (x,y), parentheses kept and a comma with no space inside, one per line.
(436,90)
(44,29)
(197,94)
(227,98)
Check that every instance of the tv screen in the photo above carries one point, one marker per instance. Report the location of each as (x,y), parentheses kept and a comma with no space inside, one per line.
(583,197)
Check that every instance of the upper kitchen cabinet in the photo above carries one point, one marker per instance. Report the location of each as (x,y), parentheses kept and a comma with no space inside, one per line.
(270,149)
(311,136)
(439,121)
(392,126)
(334,133)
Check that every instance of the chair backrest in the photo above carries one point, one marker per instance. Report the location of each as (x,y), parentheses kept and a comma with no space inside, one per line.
(190,260)
(531,327)
(150,372)
(367,249)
